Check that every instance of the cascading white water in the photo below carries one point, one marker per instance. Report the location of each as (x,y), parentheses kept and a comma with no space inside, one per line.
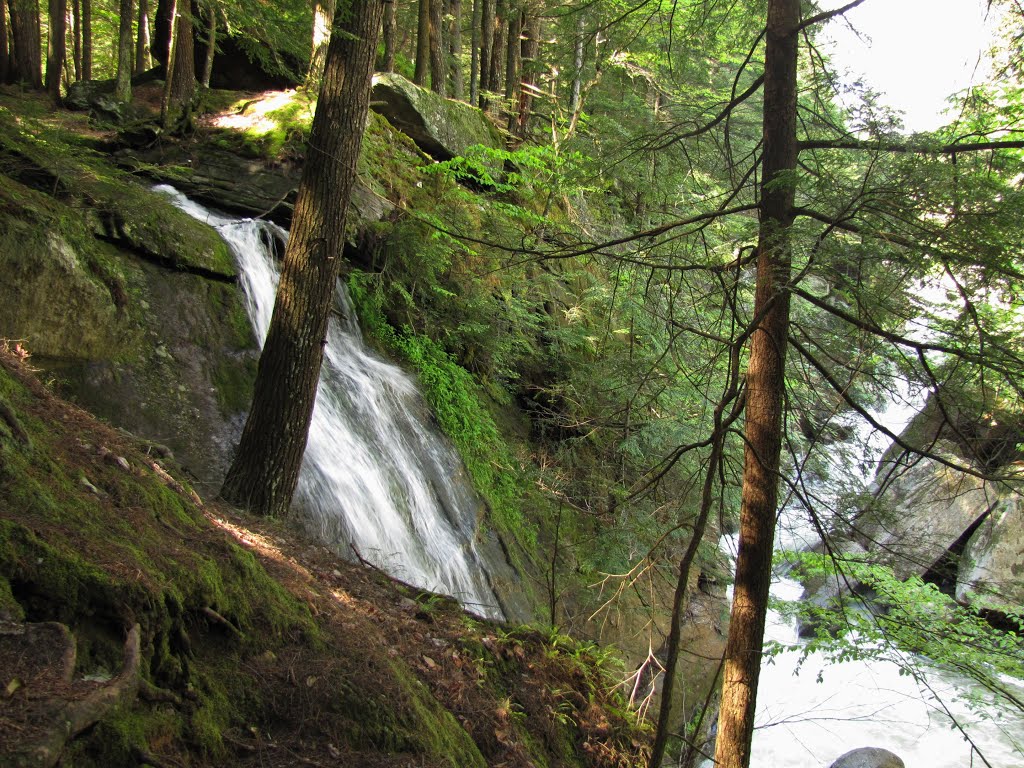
(376,476)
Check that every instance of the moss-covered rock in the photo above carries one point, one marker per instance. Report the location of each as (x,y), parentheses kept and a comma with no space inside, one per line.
(441,127)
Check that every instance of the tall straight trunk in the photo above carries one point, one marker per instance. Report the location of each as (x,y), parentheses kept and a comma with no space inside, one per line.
(579,49)
(455,50)
(170,54)
(422,69)
(87,39)
(323,18)
(474,54)
(56,47)
(183,83)
(531,64)
(5,45)
(265,470)
(513,52)
(27,43)
(498,46)
(390,35)
(76,37)
(211,45)
(438,64)
(487,22)
(765,391)
(143,61)
(125,59)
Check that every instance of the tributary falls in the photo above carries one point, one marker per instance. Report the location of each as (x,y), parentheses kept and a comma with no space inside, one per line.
(379,479)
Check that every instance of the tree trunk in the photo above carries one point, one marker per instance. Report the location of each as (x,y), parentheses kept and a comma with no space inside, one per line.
(390,35)
(56,47)
(455,50)
(170,54)
(76,37)
(530,66)
(323,18)
(5,45)
(266,467)
(143,61)
(183,82)
(474,54)
(422,70)
(765,391)
(498,45)
(487,21)
(87,39)
(123,86)
(211,45)
(513,53)
(27,44)
(438,65)
(579,49)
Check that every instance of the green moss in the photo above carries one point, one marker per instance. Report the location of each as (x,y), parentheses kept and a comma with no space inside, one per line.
(10,609)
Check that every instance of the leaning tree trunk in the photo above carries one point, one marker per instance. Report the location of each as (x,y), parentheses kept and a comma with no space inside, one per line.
(438,67)
(422,69)
(27,43)
(265,470)
(765,391)
(142,57)
(125,39)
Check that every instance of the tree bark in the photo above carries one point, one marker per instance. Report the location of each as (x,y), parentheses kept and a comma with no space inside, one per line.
(390,35)
(183,82)
(487,21)
(5,45)
(530,67)
(579,49)
(474,54)
(27,44)
(211,45)
(170,53)
(455,50)
(76,38)
(438,65)
(499,41)
(765,391)
(125,62)
(513,52)
(422,69)
(143,60)
(323,18)
(266,466)
(87,39)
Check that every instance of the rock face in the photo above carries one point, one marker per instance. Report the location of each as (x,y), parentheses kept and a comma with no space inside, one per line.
(440,127)
(868,757)
(991,573)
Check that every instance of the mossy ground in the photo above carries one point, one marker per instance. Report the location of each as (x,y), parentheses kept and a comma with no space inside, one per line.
(267,650)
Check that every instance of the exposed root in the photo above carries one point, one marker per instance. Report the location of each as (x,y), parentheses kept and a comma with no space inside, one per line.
(75,716)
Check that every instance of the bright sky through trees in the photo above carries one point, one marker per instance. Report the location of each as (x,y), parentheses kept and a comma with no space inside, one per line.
(917,52)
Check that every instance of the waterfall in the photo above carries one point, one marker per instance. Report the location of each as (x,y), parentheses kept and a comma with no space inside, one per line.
(377,476)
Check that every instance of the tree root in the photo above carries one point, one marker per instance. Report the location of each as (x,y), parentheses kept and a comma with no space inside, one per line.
(75,716)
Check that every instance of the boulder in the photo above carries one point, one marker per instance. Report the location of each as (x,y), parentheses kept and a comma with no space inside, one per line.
(441,127)
(923,513)
(868,757)
(97,98)
(991,573)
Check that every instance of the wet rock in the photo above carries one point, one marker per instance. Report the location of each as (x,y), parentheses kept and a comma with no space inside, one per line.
(869,757)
